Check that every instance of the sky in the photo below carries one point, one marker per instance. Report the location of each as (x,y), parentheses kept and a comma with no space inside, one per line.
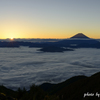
(49,18)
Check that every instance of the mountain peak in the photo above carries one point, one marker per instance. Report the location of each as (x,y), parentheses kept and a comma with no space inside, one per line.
(80,35)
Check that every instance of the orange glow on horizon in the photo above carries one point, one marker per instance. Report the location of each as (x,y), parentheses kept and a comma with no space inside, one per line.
(11,38)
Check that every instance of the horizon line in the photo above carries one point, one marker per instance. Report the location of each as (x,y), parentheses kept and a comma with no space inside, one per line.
(39,38)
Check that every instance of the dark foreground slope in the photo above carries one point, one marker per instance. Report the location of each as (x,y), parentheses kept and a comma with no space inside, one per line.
(54,88)
(85,89)
(7,94)
(75,88)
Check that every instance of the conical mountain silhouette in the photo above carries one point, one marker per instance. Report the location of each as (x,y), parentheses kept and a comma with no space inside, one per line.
(79,41)
(80,35)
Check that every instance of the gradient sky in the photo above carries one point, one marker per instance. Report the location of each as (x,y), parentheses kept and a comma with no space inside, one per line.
(49,18)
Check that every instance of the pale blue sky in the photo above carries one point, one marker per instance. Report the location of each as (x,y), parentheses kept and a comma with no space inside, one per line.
(49,18)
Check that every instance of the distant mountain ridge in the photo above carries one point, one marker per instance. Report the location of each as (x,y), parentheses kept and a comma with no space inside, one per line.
(80,35)
(77,41)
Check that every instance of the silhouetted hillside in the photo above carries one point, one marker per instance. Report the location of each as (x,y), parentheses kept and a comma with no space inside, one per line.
(7,94)
(54,88)
(75,88)
(78,89)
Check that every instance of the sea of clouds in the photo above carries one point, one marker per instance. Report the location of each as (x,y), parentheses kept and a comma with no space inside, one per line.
(22,67)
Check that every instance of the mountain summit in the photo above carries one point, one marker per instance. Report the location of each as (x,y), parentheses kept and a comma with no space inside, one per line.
(80,35)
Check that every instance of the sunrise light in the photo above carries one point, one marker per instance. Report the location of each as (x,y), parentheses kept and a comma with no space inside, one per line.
(11,38)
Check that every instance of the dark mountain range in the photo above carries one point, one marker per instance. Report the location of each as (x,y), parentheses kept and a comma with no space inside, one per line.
(75,88)
(54,88)
(84,89)
(77,41)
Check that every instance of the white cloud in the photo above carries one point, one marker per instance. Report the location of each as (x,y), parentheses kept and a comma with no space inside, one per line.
(25,66)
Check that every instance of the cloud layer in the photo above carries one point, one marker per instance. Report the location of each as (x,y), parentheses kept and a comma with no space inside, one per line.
(26,66)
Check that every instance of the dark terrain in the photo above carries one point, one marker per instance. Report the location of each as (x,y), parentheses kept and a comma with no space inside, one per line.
(75,88)
(77,41)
